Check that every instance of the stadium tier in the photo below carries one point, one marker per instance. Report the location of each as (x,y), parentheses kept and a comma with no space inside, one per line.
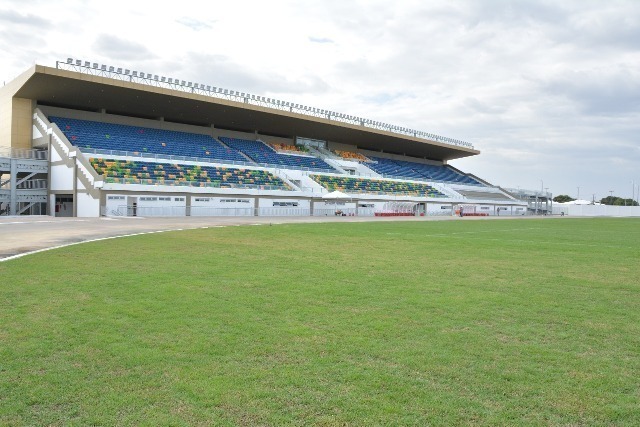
(142,140)
(414,170)
(154,173)
(375,186)
(113,144)
(262,153)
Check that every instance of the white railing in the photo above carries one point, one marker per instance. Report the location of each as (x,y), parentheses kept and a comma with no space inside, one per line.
(41,120)
(528,193)
(200,184)
(33,184)
(111,72)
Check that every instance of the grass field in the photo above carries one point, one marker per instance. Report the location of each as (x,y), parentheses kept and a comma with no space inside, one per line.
(511,322)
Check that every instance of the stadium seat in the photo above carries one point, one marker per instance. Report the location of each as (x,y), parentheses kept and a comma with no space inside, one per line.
(154,173)
(413,170)
(140,140)
(376,186)
(264,154)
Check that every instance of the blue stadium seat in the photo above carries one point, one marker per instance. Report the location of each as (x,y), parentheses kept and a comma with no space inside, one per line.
(413,170)
(136,139)
(262,153)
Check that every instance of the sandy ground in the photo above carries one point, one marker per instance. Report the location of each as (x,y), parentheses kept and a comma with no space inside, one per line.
(23,234)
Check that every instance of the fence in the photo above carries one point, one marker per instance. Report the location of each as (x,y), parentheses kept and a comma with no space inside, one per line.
(148,211)
(596,210)
(22,153)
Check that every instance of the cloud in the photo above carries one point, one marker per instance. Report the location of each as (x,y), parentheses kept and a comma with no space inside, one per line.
(223,71)
(194,24)
(599,91)
(118,48)
(321,40)
(31,20)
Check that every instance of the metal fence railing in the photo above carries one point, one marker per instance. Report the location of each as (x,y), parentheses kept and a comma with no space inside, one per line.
(23,153)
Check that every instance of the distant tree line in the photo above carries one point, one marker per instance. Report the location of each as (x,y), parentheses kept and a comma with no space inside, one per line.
(618,201)
(609,200)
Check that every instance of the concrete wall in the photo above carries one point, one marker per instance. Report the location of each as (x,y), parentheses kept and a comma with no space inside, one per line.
(87,206)
(15,114)
(594,210)
(21,123)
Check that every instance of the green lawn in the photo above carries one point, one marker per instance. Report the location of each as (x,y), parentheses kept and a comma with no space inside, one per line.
(510,322)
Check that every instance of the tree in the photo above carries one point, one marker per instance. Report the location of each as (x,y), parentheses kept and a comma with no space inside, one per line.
(618,201)
(563,198)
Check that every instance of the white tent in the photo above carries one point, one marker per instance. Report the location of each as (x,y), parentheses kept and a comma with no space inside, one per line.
(336,195)
(580,202)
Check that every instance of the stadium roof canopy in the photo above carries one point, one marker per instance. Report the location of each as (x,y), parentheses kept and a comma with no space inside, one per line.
(81,91)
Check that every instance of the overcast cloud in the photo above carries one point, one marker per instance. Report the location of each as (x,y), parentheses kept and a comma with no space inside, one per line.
(549,91)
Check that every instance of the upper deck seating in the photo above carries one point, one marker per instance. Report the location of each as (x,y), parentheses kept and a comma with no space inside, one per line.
(376,186)
(414,170)
(262,153)
(141,140)
(155,173)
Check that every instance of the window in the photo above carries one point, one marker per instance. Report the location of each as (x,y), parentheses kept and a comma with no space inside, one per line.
(202,199)
(164,199)
(178,199)
(148,199)
(285,204)
(115,197)
(316,143)
(235,201)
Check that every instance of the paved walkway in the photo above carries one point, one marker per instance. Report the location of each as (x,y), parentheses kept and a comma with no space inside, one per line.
(22,234)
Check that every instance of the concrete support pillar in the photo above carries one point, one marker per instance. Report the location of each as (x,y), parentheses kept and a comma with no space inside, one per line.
(13,198)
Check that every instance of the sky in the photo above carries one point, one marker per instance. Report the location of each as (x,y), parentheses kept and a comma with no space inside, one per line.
(548,91)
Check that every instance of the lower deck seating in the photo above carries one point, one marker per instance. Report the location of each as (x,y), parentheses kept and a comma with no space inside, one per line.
(376,186)
(154,173)
(262,153)
(414,170)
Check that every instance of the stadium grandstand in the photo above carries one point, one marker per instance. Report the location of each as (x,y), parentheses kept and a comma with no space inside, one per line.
(85,139)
